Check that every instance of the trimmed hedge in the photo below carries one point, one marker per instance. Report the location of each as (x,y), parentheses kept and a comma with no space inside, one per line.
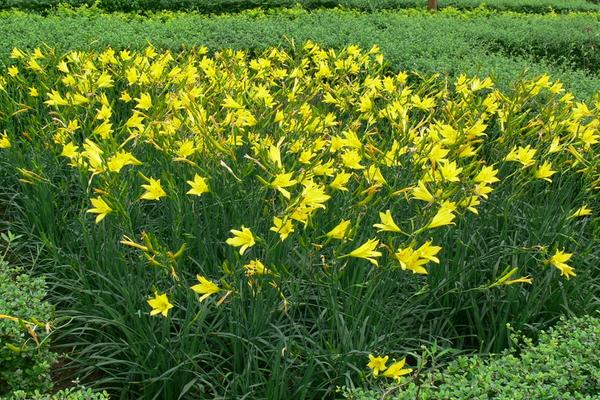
(212,6)
(410,41)
(565,364)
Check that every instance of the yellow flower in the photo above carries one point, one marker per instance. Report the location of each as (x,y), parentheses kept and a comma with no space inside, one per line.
(125,97)
(482,190)
(16,53)
(37,53)
(34,66)
(242,239)
(206,288)
(314,195)
(132,75)
(420,192)
(282,181)
(153,190)
(374,176)
(13,71)
(104,113)
(4,141)
(229,102)
(256,267)
(104,81)
(63,67)
(282,226)
(409,259)
(524,155)
(428,252)
(545,171)
(487,175)
(559,260)
(444,216)
(340,231)
(377,364)
(160,304)
(449,171)
(120,160)
(104,130)
(135,121)
(367,251)
(580,212)
(351,159)
(33,92)
(387,223)
(144,102)
(70,150)
(100,208)
(340,181)
(396,370)
(274,155)
(55,99)
(198,186)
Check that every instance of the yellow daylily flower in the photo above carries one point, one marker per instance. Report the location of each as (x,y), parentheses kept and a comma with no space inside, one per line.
(387,223)
(256,267)
(582,211)
(100,207)
(340,231)
(283,227)
(282,181)
(544,171)
(559,260)
(198,186)
(377,364)
(160,305)
(206,288)
(243,239)
(396,370)
(367,251)
(154,190)
(120,160)
(444,216)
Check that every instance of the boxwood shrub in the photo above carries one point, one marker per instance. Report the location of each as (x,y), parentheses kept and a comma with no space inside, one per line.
(564,364)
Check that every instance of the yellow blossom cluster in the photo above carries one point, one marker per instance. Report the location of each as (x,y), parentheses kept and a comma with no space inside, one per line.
(340,155)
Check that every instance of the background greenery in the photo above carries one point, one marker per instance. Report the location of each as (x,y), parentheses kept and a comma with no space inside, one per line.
(214,6)
(483,43)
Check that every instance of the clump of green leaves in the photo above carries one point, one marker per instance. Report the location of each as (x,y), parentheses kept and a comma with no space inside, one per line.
(25,357)
(66,394)
(563,365)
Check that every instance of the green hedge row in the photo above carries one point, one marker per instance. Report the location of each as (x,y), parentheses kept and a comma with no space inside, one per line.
(569,39)
(564,365)
(410,41)
(534,6)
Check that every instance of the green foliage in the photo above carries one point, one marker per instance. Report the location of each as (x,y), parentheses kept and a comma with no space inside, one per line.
(65,394)
(217,6)
(478,43)
(565,364)
(252,344)
(25,358)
